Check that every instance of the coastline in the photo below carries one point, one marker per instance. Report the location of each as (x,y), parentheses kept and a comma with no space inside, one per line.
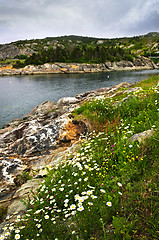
(141,63)
(43,139)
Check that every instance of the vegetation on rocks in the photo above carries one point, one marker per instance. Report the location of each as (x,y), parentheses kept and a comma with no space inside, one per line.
(79,49)
(108,189)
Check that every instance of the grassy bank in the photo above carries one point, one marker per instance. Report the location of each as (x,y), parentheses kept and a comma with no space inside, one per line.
(109,188)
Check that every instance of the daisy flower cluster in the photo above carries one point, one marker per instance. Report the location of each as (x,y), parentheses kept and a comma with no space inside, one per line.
(76,191)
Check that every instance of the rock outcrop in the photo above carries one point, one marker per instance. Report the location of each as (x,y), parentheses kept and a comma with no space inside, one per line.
(47,128)
(8,51)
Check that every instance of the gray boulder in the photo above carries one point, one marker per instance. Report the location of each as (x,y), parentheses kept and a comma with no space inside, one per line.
(142,136)
(67,101)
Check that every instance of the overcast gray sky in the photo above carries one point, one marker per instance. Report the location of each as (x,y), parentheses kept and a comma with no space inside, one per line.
(28,19)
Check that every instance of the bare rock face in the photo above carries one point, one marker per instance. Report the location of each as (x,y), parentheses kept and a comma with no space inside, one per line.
(30,137)
(11,51)
(23,193)
(36,142)
(22,142)
(7,51)
(42,129)
(9,167)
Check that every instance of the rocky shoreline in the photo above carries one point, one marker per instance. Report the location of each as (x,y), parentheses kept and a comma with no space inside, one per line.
(141,63)
(43,138)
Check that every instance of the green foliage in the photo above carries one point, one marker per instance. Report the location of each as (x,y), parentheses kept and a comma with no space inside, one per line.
(80,54)
(129,58)
(139,217)
(148,83)
(108,189)
(139,110)
(80,49)
(19,64)
(123,229)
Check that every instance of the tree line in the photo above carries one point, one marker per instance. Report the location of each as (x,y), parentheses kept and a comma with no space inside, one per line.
(80,54)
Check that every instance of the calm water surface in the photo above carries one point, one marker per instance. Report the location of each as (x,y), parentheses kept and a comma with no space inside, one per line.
(20,94)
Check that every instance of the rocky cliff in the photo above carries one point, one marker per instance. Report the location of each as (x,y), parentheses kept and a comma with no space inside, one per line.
(137,64)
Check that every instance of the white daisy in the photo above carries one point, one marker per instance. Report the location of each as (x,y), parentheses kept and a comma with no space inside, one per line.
(109,204)
(17,236)
(72,207)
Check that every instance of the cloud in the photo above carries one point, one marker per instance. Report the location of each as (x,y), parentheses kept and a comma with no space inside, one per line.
(103,18)
(141,18)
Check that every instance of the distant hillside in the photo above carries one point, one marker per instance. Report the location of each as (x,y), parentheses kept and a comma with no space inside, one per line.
(152,34)
(79,49)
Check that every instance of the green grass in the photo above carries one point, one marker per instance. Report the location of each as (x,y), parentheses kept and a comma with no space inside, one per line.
(109,188)
(148,83)
(138,217)
(139,110)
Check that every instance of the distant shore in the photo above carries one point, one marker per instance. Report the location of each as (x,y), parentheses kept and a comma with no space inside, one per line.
(48,68)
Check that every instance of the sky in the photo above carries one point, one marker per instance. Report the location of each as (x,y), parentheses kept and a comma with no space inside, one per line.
(31,19)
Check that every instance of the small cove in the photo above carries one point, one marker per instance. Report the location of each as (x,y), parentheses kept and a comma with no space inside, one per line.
(20,94)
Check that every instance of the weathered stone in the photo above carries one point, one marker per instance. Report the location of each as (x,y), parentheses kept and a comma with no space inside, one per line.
(14,123)
(53,114)
(83,95)
(10,167)
(23,177)
(67,101)
(117,87)
(5,130)
(12,135)
(6,192)
(11,51)
(42,109)
(142,136)
(37,142)
(23,192)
